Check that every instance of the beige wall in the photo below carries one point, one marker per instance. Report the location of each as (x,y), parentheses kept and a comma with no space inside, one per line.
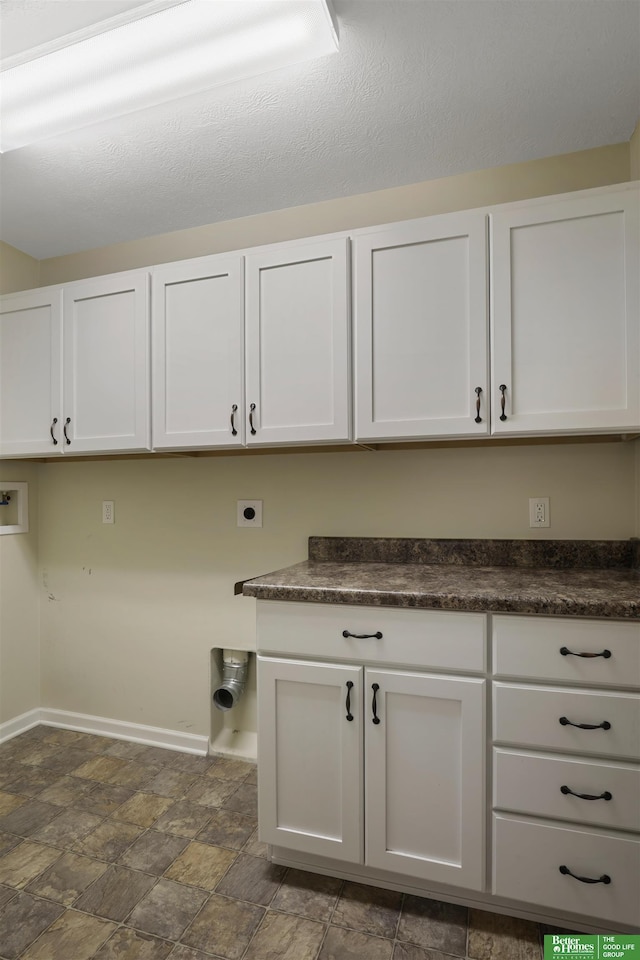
(19,605)
(634,154)
(538,178)
(18,271)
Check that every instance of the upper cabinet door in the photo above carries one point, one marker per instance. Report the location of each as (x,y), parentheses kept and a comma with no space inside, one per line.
(297,350)
(420,300)
(565,315)
(30,373)
(198,322)
(106,364)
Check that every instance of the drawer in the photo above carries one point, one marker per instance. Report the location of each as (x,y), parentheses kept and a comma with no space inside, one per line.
(531,783)
(529,647)
(530,716)
(423,638)
(527,856)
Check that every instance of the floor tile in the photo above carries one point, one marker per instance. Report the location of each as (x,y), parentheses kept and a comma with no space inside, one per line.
(226,828)
(180,952)
(252,879)
(228,768)
(494,937)
(159,755)
(22,921)
(93,742)
(192,763)
(153,852)
(9,770)
(134,775)
(168,909)
(61,738)
(72,935)
(6,894)
(7,842)
(284,937)
(341,944)
(184,818)
(37,752)
(434,925)
(255,847)
(67,878)
(224,927)
(171,783)
(104,799)
(128,944)
(211,792)
(10,802)
(25,862)
(371,910)
(142,809)
(100,769)
(123,749)
(115,893)
(66,791)
(67,828)
(65,761)
(308,895)
(201,865)
(109,841)
(30,781)
(409,951)
(244,800)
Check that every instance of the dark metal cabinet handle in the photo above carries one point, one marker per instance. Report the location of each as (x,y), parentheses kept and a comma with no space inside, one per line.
(478,418)
(375,687)
(64,429)
(586,796)
(362,636)
(605,878)
(348,703)
(503,389)
(53,439)
(605,725)
(569,653)
(234,408)
(251,410)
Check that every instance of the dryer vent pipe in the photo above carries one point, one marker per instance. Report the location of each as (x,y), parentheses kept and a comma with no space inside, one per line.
(235,666)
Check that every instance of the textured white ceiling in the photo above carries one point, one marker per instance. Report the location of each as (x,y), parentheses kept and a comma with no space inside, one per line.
(420,89)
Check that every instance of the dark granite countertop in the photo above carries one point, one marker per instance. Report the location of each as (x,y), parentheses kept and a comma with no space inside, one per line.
(554,578)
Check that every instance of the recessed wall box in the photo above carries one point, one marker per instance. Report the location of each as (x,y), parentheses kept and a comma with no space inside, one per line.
(14,507)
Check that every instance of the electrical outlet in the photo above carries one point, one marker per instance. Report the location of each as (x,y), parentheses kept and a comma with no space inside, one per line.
(539,512)
(108,515)
(249,513)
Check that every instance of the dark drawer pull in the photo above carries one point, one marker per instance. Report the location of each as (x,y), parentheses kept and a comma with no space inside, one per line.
(376,719)
(569,653)
(503,389)
(478,418)
(53,439)
(64,429)
(348,703)
(363,636)
(605,725)
(605,878)
(587,796)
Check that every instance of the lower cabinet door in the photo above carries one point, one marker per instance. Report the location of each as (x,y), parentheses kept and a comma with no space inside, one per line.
(424,780)
(310,757)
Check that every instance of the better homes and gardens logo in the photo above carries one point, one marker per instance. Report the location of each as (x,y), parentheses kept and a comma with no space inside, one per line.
(613,947)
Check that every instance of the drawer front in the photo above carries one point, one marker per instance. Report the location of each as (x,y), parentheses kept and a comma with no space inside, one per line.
(526,861)
(530,716)
(529,647)
(422,638)
(531,783)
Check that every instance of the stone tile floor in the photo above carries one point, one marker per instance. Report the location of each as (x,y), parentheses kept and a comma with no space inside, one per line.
(116,851)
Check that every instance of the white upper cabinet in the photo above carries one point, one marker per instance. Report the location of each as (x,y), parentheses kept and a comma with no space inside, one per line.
(198,326)
(30,373)
(106,364)
(297,344)
(565,315)
(421,329)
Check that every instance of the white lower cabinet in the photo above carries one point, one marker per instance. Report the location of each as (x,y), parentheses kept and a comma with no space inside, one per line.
(372,765)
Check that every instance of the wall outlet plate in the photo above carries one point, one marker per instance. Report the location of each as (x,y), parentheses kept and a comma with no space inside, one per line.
(539,512)
(249,513)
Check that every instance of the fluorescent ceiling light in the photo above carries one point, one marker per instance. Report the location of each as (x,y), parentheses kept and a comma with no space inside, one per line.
(184,49)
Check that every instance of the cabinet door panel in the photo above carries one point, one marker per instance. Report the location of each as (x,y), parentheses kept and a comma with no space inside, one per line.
(198,353)
(298,344)
(421,329)
(30,373)
(424,761)
(566,339)
(106,357)
(310,757)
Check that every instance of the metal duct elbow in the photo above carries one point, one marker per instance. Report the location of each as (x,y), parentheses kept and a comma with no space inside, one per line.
(235,667)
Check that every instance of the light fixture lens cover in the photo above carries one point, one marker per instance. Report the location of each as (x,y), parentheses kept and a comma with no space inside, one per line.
(178,51)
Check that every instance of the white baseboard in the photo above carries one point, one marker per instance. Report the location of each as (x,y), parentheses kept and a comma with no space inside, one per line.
(104,727)
(12,728)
